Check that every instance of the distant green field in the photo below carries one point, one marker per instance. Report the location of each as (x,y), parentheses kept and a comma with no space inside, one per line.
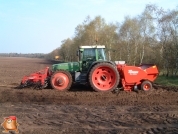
(168,81)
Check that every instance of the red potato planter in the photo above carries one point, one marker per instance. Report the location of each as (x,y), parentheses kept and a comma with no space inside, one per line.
(134,76)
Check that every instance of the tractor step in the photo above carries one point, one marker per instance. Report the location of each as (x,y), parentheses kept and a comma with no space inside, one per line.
(81,77)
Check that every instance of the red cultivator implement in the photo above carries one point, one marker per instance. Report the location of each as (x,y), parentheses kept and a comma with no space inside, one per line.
(38,79)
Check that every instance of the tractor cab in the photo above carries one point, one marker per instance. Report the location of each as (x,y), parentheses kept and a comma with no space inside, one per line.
(89,54)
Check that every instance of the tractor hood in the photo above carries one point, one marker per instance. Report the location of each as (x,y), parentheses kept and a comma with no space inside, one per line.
(69,66)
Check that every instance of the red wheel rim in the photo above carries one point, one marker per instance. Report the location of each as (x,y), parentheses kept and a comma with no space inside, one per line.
(104,78)
(60,81)
(146,87)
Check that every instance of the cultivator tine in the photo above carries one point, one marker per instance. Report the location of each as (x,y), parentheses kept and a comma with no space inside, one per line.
(24,85)
(34,85)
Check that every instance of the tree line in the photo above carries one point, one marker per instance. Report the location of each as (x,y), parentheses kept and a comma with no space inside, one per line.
(150,37)
(29,55)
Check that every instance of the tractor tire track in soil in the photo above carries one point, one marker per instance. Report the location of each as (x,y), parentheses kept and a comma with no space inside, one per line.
(82,110)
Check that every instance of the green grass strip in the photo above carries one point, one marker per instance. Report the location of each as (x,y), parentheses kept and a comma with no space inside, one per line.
(167,81)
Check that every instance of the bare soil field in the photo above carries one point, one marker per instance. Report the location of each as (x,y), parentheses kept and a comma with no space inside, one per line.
(82,110)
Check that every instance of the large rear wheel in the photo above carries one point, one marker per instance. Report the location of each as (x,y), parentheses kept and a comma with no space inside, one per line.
(61,80)
(104,77)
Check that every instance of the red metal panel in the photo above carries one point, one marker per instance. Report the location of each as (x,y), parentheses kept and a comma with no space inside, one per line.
(133,74)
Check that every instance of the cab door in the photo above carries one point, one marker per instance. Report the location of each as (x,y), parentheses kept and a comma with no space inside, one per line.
(89,56)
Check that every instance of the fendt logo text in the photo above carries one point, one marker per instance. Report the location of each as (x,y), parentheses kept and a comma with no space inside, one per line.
(131,72)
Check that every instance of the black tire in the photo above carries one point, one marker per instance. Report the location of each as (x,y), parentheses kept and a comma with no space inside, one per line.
(104,77)
(61,80)
(146,85)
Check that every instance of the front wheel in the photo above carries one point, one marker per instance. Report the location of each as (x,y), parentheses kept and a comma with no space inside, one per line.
(146,85)
(104,77)
(61,80)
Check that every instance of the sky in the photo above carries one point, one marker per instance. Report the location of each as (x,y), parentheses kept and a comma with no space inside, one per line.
(39,26)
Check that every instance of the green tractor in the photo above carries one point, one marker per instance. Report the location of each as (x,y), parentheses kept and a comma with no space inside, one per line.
(92,68)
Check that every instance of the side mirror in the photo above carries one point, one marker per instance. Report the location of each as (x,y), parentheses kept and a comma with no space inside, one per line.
(77,53)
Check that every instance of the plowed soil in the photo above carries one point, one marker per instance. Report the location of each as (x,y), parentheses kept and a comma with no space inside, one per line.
(82,110)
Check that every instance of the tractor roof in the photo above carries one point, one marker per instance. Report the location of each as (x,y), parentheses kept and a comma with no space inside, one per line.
(94,46)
